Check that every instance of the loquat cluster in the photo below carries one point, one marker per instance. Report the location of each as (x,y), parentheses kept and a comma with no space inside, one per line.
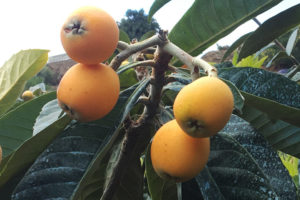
(90,89)
(180,148)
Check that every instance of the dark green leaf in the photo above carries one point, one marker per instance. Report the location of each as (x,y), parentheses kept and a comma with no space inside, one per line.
(16,125)
(208,21)
(155,7)
(281,135)
(242,165)
(270,30)
(25,155)
(270,86)
(132,182)
(16,71)
(264,155)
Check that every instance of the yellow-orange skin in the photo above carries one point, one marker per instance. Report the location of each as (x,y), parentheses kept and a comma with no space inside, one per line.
(27,95)
(88,92)
(176,155)
(203,107)
(97,39)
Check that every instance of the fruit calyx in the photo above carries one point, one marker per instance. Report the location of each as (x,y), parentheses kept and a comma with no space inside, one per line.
(69,110)
(75,27)
(195,128)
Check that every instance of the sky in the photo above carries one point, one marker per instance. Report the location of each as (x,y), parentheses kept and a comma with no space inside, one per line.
(35,24)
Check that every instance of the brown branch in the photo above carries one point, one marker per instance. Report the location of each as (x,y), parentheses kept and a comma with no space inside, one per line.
(138,136)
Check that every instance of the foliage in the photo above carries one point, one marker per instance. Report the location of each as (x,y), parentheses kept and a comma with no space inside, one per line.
(48,156)
(250,61)
(136,24)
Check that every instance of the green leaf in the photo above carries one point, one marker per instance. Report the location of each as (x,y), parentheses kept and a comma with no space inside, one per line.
(159,188)
(251,170)
(131,183)
(235,45)
(49,114)
(270,98)
(26,154)
(270,30)
(157,4)
(282,112)
(16,71)
(127,75)
(123,36)
(208,21)
(267,85)
(292,42)
(281,135)
(252,61)
(16,125)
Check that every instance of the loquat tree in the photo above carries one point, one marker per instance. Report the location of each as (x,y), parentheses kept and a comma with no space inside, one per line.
(234,132)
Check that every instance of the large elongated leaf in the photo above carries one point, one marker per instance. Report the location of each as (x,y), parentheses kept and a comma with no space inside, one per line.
(274,110)
(270,86)
(24,156)
(155,7)
(244,166)
(16,125)
(270,30)
(208,21)
(16,71)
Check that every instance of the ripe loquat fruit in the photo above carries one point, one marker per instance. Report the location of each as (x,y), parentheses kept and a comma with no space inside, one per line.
(176,155)
(88,92)
(203,107)
(89,35)
(27,95)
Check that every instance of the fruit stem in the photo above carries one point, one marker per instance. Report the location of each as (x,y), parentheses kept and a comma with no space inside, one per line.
(193,63)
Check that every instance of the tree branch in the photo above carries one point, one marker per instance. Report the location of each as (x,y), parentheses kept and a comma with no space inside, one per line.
(136,47)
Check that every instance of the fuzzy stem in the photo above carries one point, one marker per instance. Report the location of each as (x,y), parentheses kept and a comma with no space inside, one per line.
(191,62)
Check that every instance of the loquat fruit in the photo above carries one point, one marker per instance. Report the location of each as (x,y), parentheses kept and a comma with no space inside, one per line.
(203,107)
(88,92)
(27,95)
(177,156)
(89,35)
